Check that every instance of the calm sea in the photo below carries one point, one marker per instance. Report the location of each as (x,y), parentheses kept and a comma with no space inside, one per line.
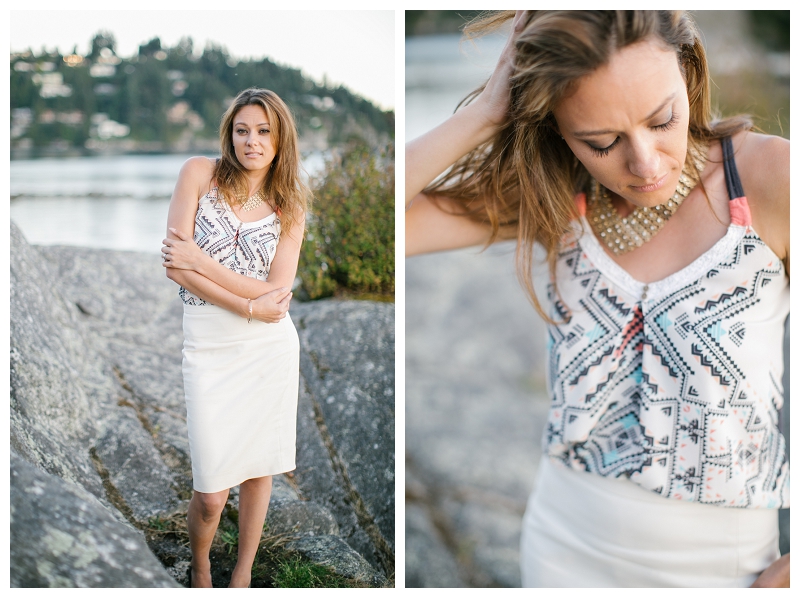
(113,202)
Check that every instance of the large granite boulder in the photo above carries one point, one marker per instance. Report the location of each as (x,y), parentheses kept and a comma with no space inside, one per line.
(64,537)
(97,412)
(347,420)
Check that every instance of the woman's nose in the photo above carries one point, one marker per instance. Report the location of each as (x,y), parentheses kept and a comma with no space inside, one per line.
(644,161)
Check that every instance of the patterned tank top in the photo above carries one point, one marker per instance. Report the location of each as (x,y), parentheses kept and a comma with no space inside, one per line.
(247,248)
(675,384)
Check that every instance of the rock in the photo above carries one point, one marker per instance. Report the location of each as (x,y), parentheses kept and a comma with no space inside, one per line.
(429,563)
(333,552)
(292,518)
(475,408)
(97,401)
(346,429)
(56,379)
(63,537)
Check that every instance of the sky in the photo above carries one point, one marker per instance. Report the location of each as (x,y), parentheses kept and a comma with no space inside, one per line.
(351,47)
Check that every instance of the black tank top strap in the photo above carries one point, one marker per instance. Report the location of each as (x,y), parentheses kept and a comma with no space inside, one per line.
(732,180)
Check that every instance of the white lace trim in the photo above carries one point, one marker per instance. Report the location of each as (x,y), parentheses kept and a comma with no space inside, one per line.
(661,288)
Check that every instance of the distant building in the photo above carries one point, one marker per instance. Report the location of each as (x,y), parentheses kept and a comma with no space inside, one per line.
(52,85)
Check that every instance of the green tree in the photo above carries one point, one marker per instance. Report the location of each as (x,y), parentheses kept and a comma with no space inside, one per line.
(103,39)
(349,246)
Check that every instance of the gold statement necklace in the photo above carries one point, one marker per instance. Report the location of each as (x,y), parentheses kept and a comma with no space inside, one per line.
(622,235)
(255,200)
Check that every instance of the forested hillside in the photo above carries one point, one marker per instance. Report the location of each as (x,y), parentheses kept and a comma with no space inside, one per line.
(166,99)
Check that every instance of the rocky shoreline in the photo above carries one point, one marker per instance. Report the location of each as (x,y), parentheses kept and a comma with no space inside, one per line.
(100,471)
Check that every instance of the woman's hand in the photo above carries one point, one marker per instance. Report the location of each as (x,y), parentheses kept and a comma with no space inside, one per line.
(182,253)
(774,576)
(271,307)
(496,96)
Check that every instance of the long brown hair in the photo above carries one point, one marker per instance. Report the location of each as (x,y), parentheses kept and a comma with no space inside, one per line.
(523,181)
(283,186)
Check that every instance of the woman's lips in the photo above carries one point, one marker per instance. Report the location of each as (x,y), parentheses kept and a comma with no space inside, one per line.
(652,187)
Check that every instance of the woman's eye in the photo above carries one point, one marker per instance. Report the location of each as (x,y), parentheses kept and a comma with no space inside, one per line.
(603,151)
(264,131)
(241,131)
(673,118)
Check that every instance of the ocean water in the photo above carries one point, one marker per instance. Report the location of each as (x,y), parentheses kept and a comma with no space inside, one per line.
(112,202)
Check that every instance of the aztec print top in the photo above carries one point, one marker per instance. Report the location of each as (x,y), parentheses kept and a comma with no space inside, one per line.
(675,384)
(245,247)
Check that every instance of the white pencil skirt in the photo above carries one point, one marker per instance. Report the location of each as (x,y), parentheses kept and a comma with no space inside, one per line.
(584,530)
(241,383)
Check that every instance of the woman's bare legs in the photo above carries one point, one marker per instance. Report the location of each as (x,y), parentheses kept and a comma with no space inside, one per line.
(253,504)
(203,519)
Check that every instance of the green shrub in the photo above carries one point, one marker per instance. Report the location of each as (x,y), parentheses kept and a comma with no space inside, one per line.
(349,245)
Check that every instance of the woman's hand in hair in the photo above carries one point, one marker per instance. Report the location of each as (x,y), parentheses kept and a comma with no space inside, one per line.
(496,96)
(431,154)
(774,576)
(182,253)
(272,307)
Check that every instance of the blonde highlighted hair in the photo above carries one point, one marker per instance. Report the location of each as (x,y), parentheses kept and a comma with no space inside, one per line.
(523,181)
(283,186)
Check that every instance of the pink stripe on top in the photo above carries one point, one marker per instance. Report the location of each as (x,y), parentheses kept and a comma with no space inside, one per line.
(740,212)
(580,203)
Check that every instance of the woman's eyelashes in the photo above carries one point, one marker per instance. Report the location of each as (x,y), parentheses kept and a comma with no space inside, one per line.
(602,151)
(666,126)
(673,118)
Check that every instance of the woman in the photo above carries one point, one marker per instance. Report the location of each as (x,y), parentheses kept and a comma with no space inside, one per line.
(669,288)
(235,229)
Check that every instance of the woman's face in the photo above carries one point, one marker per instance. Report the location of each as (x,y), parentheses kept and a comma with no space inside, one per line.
(252,139)
(628,123)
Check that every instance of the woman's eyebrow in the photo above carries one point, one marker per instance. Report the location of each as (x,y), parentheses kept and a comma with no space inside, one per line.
(663,105)
(245,124)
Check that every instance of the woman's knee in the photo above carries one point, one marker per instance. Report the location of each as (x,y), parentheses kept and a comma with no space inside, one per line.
(210,504)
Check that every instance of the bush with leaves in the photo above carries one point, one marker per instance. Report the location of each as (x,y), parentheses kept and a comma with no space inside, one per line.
(349,245)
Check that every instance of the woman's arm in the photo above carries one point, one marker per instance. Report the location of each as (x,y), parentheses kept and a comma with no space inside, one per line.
(774,576)
(184,254)
(270,307)
(431,154)
(763,162)
(427,227)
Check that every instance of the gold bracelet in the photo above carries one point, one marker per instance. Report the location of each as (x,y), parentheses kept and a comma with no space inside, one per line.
(249,309)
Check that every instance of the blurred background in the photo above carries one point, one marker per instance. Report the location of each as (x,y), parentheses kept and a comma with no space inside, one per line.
(476,399)
(106,106)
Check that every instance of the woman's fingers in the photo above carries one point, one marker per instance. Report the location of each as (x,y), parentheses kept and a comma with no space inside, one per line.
(278,294)
(518,22)
(497,94)
(271,307)
(181,235)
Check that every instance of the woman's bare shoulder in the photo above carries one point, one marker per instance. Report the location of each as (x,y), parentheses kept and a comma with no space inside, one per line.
(763,165)
(762,160)
(198,166)
(196,173)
